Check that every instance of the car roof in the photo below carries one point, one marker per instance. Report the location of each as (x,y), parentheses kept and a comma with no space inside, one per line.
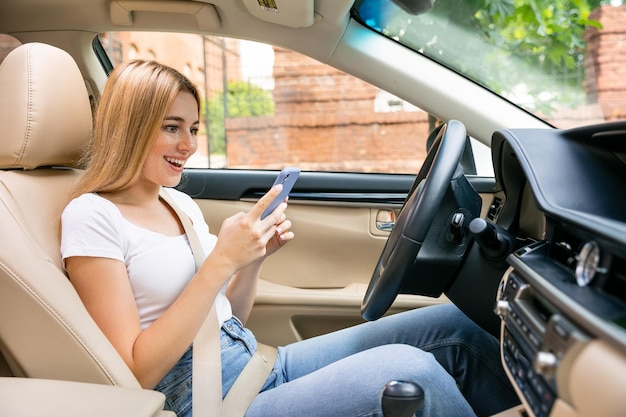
(292,29)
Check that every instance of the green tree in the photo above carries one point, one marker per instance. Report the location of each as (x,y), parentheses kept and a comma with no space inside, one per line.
(552,29)
(546,38)
(242,99)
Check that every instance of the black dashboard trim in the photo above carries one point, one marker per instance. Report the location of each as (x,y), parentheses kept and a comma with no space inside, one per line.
(548,286)
(574,176)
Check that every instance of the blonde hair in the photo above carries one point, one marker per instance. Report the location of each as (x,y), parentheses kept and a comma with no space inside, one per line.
(131,110)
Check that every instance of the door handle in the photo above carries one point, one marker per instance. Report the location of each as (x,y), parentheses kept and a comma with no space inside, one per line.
(385,220)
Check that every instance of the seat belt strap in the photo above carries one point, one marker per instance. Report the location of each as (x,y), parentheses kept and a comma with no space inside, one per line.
(206,399)
(206,377)
(206,386)
(250,381)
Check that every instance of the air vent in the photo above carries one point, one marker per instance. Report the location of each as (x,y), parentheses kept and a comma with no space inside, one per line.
(615,284)
(564,253)
(564,248)
(494,209)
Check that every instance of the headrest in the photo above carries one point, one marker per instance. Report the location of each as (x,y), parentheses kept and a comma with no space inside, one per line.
(44,108)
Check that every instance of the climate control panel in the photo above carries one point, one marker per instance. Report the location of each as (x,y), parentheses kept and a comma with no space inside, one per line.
(535,338)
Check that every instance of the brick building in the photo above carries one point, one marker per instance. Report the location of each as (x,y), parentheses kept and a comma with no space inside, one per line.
(608,86)
(326,120)
(190,54)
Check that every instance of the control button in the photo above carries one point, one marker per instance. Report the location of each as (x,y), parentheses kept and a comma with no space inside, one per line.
(545,363)
(540,389)
(502,308)
(534,340)
(525,328)
(561,331)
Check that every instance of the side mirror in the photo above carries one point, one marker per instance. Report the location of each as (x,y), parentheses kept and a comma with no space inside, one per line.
(415,7)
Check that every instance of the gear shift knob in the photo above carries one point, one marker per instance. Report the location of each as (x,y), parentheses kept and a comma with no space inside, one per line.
(401,399)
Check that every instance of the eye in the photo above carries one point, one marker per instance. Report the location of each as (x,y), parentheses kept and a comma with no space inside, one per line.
(171,128)
(194,131)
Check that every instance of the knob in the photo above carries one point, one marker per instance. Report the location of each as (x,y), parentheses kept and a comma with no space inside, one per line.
(456,228)
(545,363)
(401,399)
(494,241)
(502,308)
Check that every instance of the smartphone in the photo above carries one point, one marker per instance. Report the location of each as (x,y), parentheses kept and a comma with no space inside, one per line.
(287,177)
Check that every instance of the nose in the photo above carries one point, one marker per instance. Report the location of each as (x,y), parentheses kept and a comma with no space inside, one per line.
(188,143)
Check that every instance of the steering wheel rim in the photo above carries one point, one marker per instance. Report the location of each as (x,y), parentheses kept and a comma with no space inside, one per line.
(414,221)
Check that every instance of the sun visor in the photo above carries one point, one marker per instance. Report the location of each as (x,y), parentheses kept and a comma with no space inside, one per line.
(125,12)
(283,12)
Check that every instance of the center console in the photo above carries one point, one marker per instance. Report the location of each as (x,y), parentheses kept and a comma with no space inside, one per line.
(536,336)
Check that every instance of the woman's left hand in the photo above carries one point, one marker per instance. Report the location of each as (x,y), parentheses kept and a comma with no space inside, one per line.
(281,237)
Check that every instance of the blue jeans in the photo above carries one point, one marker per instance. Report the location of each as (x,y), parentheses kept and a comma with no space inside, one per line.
(343,373)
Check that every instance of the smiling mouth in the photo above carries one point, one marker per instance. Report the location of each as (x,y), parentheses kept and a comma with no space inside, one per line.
(176,162)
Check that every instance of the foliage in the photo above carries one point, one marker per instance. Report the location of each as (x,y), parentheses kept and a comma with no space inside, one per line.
(545,38)
(548,38)
(242,99)
(551,29)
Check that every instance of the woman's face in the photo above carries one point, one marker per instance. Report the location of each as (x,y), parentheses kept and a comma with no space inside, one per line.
(174,144)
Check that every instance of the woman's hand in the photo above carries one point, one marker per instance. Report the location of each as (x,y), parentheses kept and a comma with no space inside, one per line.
(244,238)
(271,234)
(282,236)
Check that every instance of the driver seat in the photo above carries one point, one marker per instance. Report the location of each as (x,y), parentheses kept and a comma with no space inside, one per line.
(45,331)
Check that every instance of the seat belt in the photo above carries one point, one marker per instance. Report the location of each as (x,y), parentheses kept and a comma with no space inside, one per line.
(206,376)
(206,399)
(250,381)
(206,365)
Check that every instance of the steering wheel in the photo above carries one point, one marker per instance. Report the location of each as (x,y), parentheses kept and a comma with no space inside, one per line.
(401,256)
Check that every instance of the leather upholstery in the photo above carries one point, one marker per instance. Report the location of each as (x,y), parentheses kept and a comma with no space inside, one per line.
(30,397)
(46,116)
(45,331)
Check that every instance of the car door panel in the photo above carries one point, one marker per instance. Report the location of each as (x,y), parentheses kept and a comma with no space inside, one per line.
(316,283)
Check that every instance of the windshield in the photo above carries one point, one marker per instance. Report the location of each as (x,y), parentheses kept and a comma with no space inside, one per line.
(561,60)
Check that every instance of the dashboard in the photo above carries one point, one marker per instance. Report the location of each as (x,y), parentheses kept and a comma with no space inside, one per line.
(562,300)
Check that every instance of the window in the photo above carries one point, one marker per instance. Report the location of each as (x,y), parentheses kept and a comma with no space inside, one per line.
(561,61)
(267,107)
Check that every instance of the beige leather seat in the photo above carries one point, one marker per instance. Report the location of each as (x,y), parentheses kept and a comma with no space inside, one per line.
(45,331)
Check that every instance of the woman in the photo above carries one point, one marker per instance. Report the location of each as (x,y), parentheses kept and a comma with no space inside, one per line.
(127,255)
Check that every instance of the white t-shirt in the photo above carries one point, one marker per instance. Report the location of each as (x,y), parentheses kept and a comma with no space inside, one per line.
(159,267)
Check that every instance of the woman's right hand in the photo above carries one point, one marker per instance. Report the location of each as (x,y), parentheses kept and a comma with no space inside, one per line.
(243,237)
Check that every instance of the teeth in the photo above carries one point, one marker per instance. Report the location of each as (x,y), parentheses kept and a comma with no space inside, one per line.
(178,162)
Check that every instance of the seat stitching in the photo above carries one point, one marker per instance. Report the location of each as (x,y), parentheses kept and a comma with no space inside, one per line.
(29,106)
